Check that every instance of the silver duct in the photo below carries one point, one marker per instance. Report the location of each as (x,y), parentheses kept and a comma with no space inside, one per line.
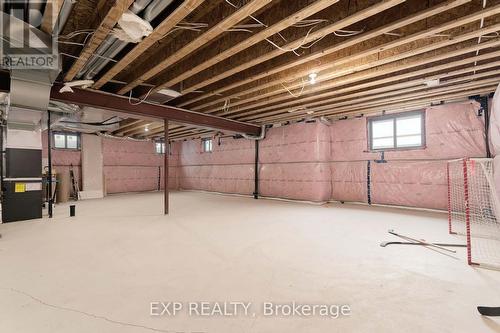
(111,46)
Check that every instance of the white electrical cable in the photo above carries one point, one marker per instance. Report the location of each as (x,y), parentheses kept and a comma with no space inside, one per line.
(124,138)
(225,107)
(481,25)
(97,55)
(140,100)
(291,93)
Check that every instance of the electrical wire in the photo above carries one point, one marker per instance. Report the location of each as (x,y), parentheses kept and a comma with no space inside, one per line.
(481,25)
(96,55)
(291,93)
(124,138)
(140,100)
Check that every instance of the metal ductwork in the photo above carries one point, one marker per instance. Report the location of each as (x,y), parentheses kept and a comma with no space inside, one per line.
(112,46)
(64,14)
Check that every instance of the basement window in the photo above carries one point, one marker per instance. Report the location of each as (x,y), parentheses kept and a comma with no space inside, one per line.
(160,147)
(397,131)
(207,145)
(64,140)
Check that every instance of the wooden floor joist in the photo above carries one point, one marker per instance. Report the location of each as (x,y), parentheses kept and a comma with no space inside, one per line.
(242,81)
(350,42)
(385,86)
(113,14)
(254,39)
(205,38)
(158,33)
(381,72)
(335,69)
(49,20)
(400,103)
(380,99)
(281,95)
(330,29)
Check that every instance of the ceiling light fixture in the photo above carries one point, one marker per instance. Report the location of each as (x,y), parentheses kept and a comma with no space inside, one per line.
(312,78)
(146,129)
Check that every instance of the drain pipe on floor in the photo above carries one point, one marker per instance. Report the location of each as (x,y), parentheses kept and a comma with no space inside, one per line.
(262,136)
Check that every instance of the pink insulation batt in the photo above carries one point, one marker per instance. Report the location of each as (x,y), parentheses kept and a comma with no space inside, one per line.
(229,168)
(317,162)
(132,166)
(304,161)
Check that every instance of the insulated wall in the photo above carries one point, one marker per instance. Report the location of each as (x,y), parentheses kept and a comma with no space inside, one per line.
(134,166)
(412,177)
(229,168)
(318,162)
(62,159)
(128,166)
(294,162)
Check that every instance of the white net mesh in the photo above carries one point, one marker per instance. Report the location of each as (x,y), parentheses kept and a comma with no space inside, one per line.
(471,185)
(456,203)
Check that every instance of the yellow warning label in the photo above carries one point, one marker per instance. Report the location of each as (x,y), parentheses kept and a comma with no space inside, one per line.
(20,187)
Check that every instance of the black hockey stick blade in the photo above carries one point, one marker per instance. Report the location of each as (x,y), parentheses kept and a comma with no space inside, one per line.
(384,244)
(489,311)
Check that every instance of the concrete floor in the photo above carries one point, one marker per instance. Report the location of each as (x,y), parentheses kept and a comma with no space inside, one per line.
(100,271)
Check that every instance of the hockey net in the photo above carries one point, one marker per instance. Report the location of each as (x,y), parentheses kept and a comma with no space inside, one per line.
(474,209)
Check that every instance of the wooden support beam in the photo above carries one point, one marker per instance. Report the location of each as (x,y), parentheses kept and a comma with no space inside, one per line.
(282,95)
(159,131)
(50,15)
(330,29)
(385,87)
(411,93)
(127,127)
(109,21)
(207,37)
(328,66)
(387,82)
(122,104)
(403,104)
(126,124)
(193,135)
(141,131)
(158,33)
(247,43)
(341,66)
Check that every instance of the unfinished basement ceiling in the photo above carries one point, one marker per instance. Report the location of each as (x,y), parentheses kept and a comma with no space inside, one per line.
(266,62)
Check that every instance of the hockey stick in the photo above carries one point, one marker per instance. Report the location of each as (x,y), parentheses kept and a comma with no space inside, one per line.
(384,244)
(392,232)
(489,311)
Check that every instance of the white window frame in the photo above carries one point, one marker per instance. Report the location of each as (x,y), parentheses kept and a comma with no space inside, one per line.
(394,117)
(66,134)
(207,145)
(162,149)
